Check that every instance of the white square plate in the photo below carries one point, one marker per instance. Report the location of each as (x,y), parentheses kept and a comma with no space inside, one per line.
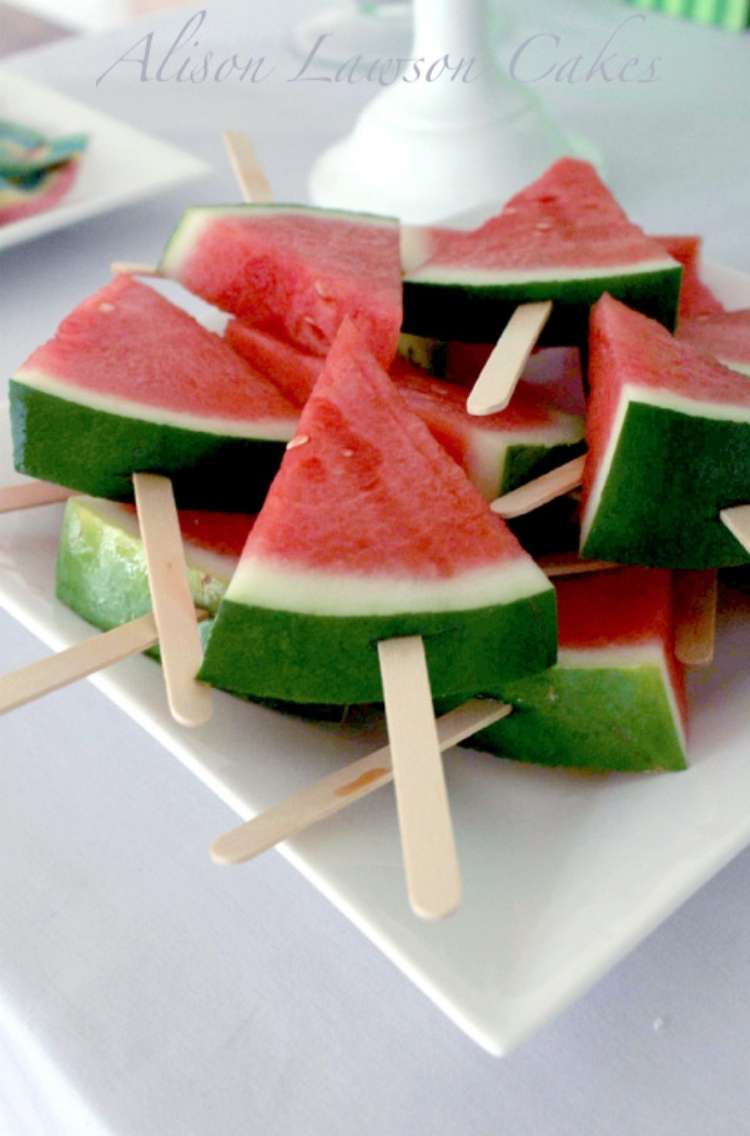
(563,873)
(121,165)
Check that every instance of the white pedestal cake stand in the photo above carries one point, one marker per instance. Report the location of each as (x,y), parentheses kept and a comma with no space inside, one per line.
(424,150)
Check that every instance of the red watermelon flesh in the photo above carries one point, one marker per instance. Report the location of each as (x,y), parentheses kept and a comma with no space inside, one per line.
(224,534)
(380,497)
(126,344)
(292,370)
(478,445)
(567,218)
(725,335)
(295,272)
(696,299)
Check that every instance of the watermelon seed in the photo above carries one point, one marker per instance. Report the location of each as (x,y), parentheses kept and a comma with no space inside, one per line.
(106,307)
(299,440)
(543,226)
(348,453)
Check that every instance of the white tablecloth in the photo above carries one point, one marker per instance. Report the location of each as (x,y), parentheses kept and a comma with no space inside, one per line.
(144,992)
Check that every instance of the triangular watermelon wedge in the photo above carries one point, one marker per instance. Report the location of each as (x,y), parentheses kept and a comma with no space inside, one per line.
(294,271)
(369,532)
(668,432)
(615,700)
(132,383)
(563,238)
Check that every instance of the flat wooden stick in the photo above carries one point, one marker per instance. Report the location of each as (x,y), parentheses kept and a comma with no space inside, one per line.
(133,268)
(247,169)
(540,491)
(416,246)
(570,564)
(737,521)
(181,652)
(76,662)
(428,846)
(31,495)
(695,616)
(338,790)
(497,380)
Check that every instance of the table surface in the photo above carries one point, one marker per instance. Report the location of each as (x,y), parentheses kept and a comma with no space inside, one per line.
(145,992)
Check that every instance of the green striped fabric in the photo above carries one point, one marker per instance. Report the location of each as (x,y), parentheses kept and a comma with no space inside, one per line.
(733,14)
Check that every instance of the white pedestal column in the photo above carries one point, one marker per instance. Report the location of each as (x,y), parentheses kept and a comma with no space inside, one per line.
(461,135)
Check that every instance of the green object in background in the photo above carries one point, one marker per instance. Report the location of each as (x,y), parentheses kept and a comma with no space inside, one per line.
(731,14)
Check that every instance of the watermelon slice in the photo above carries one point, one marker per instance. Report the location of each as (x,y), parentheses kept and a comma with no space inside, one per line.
(371,532)
(668,434)
(615,700)
(696,299)
(461,362)
(725,335)
(101,567)
(132,383)
(497,452)
(294,271)
(563,238)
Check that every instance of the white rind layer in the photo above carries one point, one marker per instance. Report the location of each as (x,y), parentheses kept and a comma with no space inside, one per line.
(488,449)
(743,368)
(273,584)
(215,564)
(266,430)
(460,274)
(664,400)
(627,658)
(197,219)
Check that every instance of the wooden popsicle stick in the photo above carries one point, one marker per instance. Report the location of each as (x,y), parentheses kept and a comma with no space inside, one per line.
(133,268)
(416,246)
(31,495)
(497,380)
(432,876)
(737,520)
(76,662)
(247,169)
(181,652)
(540,491)
(570,564)
(338,790)
(695,594)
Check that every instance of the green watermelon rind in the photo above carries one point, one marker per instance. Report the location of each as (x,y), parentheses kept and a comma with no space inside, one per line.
(524,462)
(607,719)
(302,658)
(477,313)
(74,445)
(704,462)
(101,575)
(101,571)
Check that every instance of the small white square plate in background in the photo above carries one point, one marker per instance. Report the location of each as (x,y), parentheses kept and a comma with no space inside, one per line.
(563,872)
(122,165)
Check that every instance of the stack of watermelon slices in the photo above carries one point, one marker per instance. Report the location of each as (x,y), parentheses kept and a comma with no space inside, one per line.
(368,529)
